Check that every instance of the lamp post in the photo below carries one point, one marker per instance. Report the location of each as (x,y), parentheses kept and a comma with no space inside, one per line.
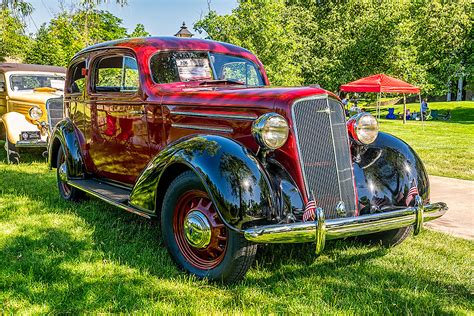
(184,32)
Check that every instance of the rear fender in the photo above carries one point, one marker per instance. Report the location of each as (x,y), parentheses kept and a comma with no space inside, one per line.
(234,179)
(66,135)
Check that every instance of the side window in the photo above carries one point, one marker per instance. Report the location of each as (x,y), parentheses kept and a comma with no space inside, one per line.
(3,87)
(116,74)
(78,79)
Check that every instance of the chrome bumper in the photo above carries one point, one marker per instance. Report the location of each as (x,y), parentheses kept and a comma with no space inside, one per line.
(31,143)
(320,229)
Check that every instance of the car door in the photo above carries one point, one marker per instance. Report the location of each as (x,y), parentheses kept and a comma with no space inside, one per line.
(117,143)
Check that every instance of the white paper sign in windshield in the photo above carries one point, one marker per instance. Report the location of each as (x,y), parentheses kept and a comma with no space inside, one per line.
(193,69)
(57,84)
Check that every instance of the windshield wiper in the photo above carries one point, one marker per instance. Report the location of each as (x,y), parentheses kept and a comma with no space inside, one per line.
(222,81)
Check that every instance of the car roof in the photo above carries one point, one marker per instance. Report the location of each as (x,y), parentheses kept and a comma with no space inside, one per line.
(5,67)
(168,43)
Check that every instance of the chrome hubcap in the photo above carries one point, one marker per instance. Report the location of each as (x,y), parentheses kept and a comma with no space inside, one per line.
(197,229)
(63,172)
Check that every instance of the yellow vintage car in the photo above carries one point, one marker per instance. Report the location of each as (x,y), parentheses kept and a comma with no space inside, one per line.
(30,105)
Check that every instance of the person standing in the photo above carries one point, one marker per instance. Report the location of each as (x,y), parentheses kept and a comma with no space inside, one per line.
(424,106)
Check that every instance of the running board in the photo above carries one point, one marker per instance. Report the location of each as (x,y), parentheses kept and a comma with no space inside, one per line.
(111,194)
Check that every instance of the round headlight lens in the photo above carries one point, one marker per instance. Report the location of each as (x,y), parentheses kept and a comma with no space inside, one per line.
(35,113)
(366,128)
(270,130)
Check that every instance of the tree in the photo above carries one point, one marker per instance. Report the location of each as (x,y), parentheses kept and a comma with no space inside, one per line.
(139,31)
(13,39)
(331,42)
(21,6)
(267,28)
(57,42)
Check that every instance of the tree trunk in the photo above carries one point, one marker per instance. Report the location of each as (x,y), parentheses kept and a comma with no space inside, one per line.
(459,96)
(448,96)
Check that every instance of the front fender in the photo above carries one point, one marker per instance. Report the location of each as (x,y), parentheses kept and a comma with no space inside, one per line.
(15,123)
(232,176)
(384,173)
(66,135)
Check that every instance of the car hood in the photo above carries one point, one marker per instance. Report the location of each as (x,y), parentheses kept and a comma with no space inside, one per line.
(37,97)
(237,95)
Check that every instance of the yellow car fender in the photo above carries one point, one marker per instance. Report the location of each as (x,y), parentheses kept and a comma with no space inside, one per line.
(15,123)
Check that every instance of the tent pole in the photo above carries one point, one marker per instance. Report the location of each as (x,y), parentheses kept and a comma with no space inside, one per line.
(421,110)
(404,109)
(378,105)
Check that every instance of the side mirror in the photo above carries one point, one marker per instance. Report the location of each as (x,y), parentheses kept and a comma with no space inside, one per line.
(2,86)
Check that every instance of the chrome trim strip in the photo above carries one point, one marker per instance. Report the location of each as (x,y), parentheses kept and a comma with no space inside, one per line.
(106,199)
(203,128)
(249,117)
(345,227)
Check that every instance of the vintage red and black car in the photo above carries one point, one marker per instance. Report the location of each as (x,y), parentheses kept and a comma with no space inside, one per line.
(189,131)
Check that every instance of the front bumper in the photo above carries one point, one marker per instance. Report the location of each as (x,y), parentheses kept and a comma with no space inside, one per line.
(321,230)
(31,143)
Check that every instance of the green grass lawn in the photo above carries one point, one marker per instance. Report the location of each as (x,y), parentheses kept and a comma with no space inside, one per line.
(445,147)
(61,257)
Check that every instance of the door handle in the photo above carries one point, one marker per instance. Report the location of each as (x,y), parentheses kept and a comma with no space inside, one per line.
(136,112)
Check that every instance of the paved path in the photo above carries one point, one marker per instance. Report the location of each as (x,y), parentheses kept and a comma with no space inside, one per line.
(459,195)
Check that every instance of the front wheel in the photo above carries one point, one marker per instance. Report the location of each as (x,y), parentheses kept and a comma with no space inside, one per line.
(196,237)
(12,153)
(390,238)
(66,191)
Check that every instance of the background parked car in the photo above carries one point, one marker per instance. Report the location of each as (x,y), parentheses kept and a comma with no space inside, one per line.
(30,105)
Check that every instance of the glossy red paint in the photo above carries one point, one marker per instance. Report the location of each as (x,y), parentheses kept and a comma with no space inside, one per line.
(165,113)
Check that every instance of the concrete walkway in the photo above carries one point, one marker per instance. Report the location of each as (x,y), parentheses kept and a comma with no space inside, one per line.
(459,195)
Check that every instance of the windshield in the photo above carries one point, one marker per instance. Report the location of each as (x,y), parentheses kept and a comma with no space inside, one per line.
(168,67)
(32,81)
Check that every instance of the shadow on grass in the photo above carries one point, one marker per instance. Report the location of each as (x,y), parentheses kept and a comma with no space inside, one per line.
(48,264)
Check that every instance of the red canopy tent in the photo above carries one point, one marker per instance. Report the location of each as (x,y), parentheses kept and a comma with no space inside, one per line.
(381,83)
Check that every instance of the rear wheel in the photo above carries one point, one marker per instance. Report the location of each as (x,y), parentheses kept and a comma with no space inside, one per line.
(390,238)
(67,192)
(196,237)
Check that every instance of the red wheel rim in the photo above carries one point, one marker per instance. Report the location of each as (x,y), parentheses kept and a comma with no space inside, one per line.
(213,254)
(66,188)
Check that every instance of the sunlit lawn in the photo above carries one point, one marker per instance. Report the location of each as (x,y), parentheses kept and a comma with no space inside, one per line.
(60,257)
(446,147)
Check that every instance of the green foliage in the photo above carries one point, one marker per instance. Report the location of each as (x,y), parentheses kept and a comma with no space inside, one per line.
(267,28)
(334,42)
(68,33)
(139,31)
(22,7)
(13,39)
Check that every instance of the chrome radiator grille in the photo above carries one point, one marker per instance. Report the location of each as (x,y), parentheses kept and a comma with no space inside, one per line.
(55,108)
(323,146)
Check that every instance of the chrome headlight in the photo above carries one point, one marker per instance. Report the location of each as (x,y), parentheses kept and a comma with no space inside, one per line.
(35,113)
(364,128)
(270,130)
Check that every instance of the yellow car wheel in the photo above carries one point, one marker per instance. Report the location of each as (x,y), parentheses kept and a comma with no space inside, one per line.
(13,156)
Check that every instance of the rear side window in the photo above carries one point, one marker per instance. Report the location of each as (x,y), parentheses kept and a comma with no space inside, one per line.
(116,74)
(78,79)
